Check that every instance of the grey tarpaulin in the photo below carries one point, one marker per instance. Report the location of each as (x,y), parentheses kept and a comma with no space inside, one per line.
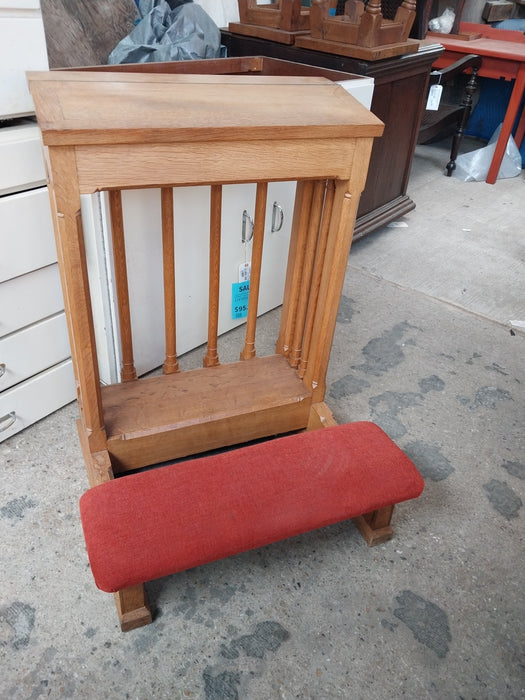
(170,30)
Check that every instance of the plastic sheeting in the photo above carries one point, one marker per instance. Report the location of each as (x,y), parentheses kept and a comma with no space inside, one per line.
(474,166)
(170,30)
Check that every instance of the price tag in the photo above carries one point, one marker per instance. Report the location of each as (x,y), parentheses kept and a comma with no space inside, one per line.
(240,294)
(244,271)
(434,97)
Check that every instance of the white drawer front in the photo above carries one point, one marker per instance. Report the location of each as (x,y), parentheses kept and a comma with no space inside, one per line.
(14,6)
(21,160)
(27,241)
(22,48)
(35,398)
(30,298)
(32,350)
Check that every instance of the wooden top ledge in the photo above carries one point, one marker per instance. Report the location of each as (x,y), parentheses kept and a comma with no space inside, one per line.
(90,108)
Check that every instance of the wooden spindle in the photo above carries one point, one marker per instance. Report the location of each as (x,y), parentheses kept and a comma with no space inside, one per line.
(316,278)
(301,215)
(171,364)
(128,371)
(316,212)
(255,275)
(212,357)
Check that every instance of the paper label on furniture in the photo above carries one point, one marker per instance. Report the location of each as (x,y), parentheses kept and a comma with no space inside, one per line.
(240,294)
(244,271)
(434,97)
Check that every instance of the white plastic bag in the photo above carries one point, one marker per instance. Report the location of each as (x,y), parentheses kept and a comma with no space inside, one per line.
(444,23)
(474,166)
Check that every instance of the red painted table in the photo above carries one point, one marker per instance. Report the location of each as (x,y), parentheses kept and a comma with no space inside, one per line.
(503,56)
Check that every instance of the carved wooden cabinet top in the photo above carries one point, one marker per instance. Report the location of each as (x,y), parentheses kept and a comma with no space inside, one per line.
(76,107)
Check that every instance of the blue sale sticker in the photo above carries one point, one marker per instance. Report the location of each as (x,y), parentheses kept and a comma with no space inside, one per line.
(240,294)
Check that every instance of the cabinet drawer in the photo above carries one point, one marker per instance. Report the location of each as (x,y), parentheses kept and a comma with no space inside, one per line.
(22,48)
(30,298)
(21,161)
(27,241)
(33,350)
(35,398)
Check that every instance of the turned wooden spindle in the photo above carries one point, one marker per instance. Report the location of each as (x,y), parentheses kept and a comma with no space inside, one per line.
(316,213)
(212,357)
(255,275)
(171,364)
(301,217)
(316,278)
(128,371)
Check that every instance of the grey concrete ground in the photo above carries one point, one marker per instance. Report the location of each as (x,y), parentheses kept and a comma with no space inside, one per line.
(430,344)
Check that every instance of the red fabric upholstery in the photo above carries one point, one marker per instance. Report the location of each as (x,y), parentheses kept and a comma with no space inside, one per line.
(147,525)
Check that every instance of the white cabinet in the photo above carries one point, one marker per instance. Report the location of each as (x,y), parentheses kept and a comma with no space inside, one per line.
(33,349)
(29,298)
(27,233)
(22,48)
(36,374)
(35,398)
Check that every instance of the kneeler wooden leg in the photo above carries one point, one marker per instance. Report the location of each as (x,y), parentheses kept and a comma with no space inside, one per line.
(133,608)
(375,526)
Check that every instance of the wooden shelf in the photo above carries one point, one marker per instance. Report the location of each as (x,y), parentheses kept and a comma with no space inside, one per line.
(160,418)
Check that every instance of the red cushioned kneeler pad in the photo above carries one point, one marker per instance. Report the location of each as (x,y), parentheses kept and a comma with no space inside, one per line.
(155,523)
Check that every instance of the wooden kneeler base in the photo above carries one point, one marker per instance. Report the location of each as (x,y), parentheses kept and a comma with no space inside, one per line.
(155,523)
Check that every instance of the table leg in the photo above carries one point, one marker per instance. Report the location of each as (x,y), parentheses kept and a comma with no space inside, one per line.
(520,130)
(508,123)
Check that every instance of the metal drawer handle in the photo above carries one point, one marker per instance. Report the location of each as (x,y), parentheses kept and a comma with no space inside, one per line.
(277,217)
(247,227)
(7,421)
(2,369)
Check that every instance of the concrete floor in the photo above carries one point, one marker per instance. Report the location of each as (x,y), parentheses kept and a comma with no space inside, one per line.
(430,344)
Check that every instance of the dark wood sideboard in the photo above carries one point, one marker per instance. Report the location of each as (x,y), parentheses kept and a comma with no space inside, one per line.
(399,99)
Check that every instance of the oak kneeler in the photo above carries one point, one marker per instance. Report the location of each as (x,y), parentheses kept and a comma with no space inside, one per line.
(108,132)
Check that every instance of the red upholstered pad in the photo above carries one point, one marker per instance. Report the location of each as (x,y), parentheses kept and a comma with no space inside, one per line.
(147,525)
